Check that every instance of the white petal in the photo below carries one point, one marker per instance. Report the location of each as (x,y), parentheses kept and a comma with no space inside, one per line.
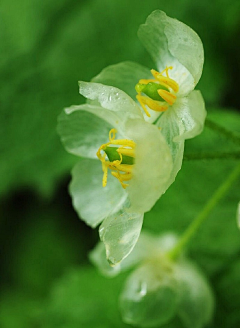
(238,215)
(170,130)
(112,99)
(92,202)
(152,168)
(149,298)
(190,114)
(196,301)
(184,120)
(172,43)
(145,246)
(120,233)
(124,76)
(83,129)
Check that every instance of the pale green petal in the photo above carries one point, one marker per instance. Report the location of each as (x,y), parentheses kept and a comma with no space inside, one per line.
(238,215)
(83,129)
(112,99)
(152,168)
(120,233)
(92,202)
(144,247)
(98,257)
(185,119)
(185,45)
(123,76)
(189,113)
(172,43)
(149,298)
(196,303)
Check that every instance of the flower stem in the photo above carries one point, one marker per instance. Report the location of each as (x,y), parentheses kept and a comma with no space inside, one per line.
(202,216)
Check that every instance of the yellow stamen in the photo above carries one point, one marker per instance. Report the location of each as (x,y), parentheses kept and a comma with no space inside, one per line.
(152,104)
(146,81)
(122,177)
(165,80)
(126,151)
(167,96)
(124,168)
(123,172)
(142,102)
(105,173)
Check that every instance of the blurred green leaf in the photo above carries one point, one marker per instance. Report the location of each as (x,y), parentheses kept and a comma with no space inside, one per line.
(19,310)
(82,298)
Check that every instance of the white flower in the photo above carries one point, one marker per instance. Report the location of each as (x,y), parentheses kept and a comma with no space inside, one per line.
(166,94)
(126,167)
(160,291)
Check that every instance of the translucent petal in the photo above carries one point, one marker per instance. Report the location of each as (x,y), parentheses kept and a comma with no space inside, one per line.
(238,215)
(112,99)
(190,114)
(124,76)
(172,43)
(120,232)
(145,246)
(149,298)
(152,168)
(83,129)
(196,303)
(184,120)
(92,202)
(170,130)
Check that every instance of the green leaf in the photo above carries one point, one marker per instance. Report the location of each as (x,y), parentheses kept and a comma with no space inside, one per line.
(82,298)
(18,309)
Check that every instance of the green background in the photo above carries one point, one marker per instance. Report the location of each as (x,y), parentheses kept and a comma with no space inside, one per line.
(45,48)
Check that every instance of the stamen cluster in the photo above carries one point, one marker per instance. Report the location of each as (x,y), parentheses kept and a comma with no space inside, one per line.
(119,160)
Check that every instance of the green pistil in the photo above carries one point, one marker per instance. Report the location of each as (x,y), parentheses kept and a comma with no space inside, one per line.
(113,155)
(150,90)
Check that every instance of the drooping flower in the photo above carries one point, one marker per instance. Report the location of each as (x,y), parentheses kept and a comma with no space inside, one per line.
(125,165)
(160,291)
(166,93)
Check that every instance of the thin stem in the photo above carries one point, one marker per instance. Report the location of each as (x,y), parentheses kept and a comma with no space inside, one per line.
(212,155)
(202,216)
(219,129)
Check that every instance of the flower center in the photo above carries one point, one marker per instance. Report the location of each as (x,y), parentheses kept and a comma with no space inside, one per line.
(118,156)
(159,93)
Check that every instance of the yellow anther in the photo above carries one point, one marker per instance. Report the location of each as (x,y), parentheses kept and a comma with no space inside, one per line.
(124,168)
(112,134)
(121,171)
(149,98)
(167,96)
(152,104)
(142,101)
(126,151)
(146,81)
(124,142)
(126,176)
(165,80)
(166,70)
(122,177)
